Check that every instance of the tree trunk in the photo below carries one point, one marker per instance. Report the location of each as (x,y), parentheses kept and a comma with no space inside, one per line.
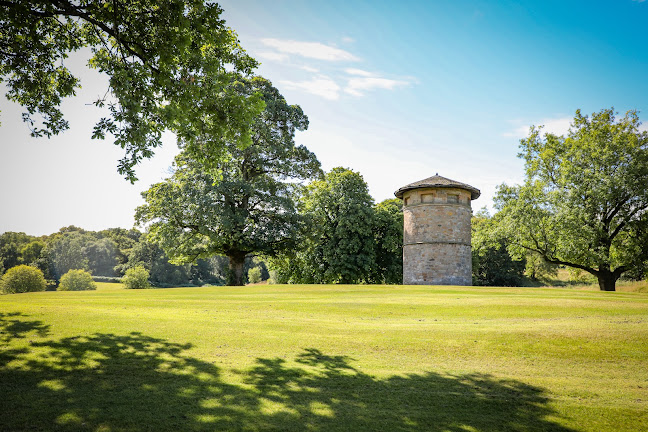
(606,280)
(236,264)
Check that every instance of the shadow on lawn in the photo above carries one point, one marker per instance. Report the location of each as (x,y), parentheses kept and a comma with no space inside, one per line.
(108,382)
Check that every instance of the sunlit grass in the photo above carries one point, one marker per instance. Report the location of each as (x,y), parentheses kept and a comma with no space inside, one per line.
(325,358)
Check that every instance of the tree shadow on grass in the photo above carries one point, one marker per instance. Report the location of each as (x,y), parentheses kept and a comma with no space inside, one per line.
(134,382)
(13,325)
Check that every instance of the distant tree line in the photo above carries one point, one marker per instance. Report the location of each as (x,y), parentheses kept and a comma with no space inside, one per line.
(108,254)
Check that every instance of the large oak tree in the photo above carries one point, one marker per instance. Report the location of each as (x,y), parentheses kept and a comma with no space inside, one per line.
(246,205)
(170,66)
(584,202)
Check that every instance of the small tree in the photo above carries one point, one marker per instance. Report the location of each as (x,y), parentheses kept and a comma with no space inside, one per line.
(77,280)
(136,278)
(22,278)
(254,275)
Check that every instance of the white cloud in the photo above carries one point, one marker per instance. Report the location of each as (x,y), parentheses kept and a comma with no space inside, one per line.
(309,69)
(360,72)
(557,126)
(348,39)
(356,86)
(273,56)
(322,86)
(314,50)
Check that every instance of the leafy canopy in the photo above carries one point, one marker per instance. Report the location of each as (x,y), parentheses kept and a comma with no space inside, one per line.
(584,200)
(171,65)
(338,245)
(247,204)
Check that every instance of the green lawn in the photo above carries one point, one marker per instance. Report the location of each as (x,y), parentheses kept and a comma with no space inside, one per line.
(324,358)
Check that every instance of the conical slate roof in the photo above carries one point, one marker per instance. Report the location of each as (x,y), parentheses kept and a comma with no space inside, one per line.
(439,182)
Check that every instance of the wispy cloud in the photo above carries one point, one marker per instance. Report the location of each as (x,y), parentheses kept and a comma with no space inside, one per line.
(321,85)
(309,69)
(557,126)
(272,56)
(358,85)
(315,50)
(360,72)
(328,80)
(348,39)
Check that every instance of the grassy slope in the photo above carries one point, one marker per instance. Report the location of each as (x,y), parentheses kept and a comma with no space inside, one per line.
(324,358)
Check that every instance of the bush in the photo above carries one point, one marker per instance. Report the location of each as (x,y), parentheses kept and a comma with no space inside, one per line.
(22,278)
(77,280)
(109,279)
(254,275)
(136,278)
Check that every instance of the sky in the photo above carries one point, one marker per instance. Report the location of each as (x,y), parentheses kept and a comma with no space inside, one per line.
(397,91)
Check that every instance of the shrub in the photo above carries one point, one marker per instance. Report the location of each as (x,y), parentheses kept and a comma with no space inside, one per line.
(77,280)
(254,275)
(22,278)
(136,278)
(108,279)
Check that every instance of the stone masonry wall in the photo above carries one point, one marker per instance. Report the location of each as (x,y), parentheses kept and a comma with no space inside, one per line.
(436,238)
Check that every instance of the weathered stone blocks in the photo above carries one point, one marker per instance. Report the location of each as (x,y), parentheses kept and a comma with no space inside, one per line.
(436,237)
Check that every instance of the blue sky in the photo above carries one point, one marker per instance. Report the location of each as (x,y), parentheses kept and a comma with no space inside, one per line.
(397,91)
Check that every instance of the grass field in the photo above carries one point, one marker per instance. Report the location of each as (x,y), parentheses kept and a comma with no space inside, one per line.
(324,358)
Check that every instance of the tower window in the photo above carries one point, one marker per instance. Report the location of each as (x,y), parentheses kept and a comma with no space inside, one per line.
(453,199)
(427,198)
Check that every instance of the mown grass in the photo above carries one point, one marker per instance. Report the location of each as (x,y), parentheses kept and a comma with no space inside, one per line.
(324,358)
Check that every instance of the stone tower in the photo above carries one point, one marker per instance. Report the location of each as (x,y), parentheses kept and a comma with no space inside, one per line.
(436,237)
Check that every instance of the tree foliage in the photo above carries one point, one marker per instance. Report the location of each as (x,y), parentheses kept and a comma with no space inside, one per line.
(584,201)
(254,275)
(11,245)
(149,255)
(107,253)
(21,279)
(247,206)
(171,65)
(338,245)
(77,280)
(388,242)
(66,251)
(492,264)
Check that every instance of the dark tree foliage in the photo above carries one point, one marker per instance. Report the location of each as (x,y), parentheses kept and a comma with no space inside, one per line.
(388,238)
(11,245)
(102,256)
(149,255)
(170,66)
(493,266)
(124,240)
(338,243)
